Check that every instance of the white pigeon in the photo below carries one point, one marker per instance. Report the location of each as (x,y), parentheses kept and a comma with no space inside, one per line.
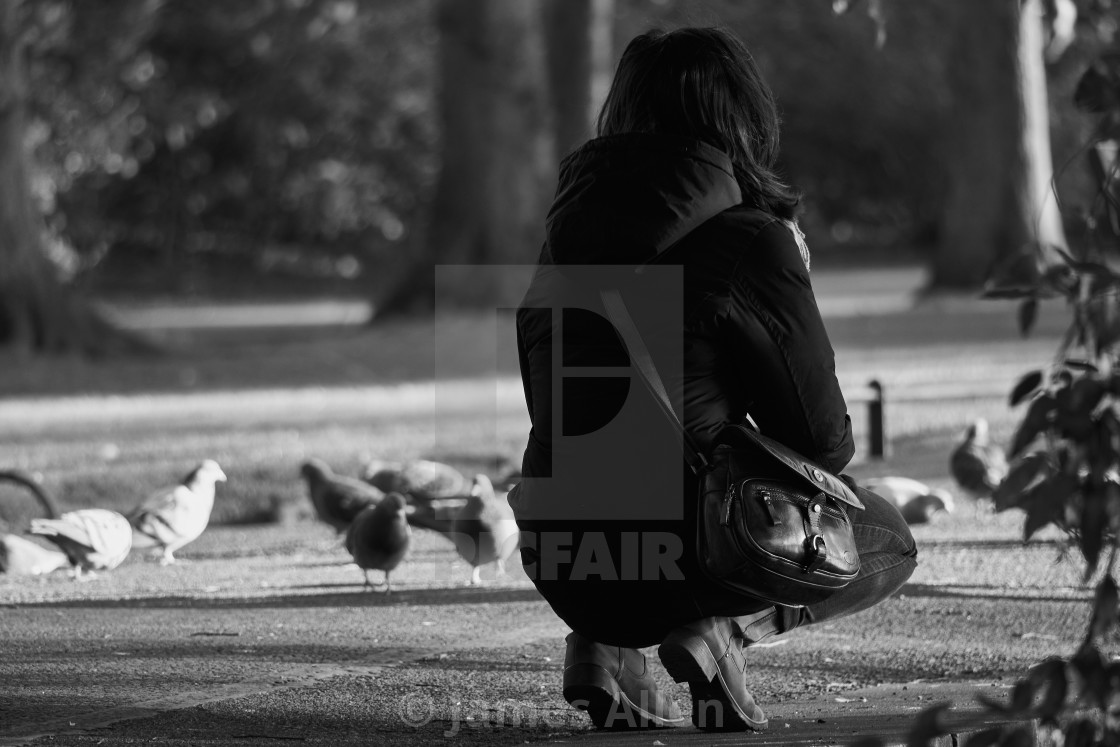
(484,530)
(173,517)
(94,539)
(21,557)
(917,502)
(977,464)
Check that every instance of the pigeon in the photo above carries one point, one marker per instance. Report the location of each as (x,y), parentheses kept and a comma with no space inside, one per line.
(21,557)
(379,536)
(93,539)
(173,517)
(421,480)
(978,465)
(917,502)
(484,530)
(337,499)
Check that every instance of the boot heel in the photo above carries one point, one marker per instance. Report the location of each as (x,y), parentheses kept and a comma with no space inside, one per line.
(591,688)
(687,658)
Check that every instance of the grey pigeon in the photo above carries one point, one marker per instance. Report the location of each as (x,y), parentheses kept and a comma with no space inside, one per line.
(379,536)
(977,464)
(917,502)
(484,530)
(175,516)
(93,539)
(337,499)
(421,480)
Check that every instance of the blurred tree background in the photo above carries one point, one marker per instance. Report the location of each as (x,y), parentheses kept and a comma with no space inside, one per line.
(286,147)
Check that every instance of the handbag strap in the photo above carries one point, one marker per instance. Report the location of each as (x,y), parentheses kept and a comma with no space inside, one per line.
(647,372)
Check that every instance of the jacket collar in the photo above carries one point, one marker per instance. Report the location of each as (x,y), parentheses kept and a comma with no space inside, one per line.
(624,199)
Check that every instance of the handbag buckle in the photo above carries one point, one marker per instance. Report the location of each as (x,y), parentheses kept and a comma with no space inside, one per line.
(816,554)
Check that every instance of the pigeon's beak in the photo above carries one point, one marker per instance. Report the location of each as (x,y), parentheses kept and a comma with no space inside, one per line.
(220,476)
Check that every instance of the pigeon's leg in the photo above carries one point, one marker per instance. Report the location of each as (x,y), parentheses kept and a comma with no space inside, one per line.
(501,563)
(476,576)
(78,575)
(365,572)
(167,558)
(388,586)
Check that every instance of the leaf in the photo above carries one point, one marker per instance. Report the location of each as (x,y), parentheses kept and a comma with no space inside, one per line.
(1035,421)
(1022,697)
(1059,280)
(1094,519)
(1076,405)
(1025,387)
(1089,676)
(1106,610)
(1025,473)
(1046,502)
(1018,276)
(1080,365)
(1028,315)
(928,725)
(1050,688)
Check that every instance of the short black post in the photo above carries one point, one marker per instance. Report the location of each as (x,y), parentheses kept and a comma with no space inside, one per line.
(875,420)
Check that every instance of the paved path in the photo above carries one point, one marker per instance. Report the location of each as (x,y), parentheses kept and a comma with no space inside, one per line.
(265,635)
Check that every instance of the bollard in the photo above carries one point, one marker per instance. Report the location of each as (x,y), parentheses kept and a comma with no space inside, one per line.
(875,420)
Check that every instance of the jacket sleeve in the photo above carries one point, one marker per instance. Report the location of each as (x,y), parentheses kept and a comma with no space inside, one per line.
(782,352)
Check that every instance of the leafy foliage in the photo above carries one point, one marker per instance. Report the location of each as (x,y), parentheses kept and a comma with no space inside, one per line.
(1065,452)
(184,128)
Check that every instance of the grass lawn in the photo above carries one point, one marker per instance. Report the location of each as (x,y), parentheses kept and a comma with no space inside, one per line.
(108,432)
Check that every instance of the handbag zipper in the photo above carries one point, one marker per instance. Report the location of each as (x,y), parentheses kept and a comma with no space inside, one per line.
(768,503)
(769,494)
(728,498)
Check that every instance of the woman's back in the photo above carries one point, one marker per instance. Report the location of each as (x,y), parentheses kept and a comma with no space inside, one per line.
(645,199)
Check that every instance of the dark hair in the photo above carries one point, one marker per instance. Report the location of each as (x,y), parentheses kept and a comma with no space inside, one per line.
(703,83)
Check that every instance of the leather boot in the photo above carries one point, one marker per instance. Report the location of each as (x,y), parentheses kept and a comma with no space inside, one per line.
(708,655)
(615,687)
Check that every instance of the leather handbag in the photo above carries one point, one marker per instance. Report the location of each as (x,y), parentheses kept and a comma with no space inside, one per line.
(771,524)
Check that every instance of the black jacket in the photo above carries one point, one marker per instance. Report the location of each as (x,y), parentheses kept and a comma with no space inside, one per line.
(753,340)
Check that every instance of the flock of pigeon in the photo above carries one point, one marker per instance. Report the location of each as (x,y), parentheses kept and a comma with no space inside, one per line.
(97,539)
(377,512)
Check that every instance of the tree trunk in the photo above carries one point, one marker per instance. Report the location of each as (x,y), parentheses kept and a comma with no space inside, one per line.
(37,313)
(498,162)
(579,35)
(998,156)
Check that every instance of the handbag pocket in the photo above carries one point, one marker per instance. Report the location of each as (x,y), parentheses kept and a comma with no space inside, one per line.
(771,529)
(800,532)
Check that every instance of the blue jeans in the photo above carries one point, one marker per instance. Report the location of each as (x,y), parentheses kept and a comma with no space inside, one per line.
(640,611)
